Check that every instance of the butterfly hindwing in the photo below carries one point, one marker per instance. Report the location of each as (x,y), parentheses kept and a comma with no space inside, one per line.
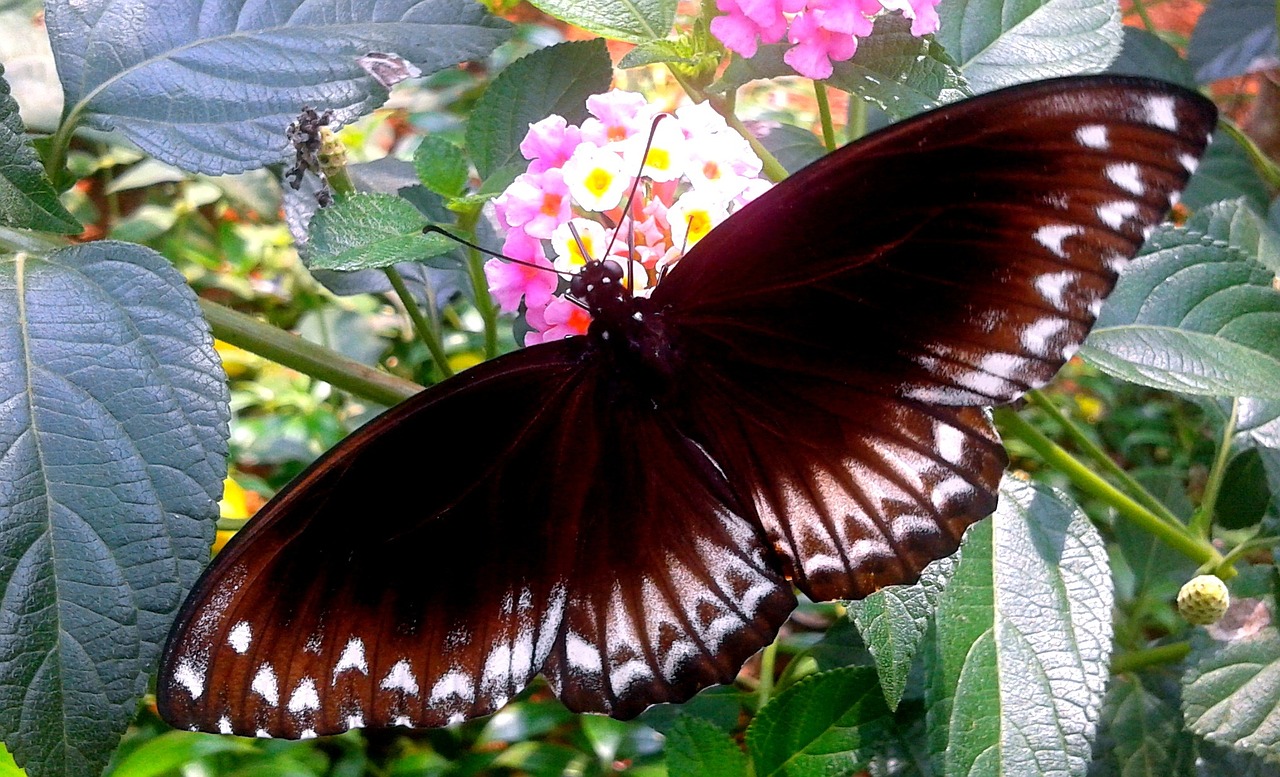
(370,595)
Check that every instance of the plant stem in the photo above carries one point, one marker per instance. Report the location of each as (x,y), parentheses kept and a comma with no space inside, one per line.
(824,113)
(480,286)
(1202,521)
(1177,537)
(856,127)
(320,363)
(1141,7)
(768,662)
(427,327)
(1265,166)
(1087,446)
(1134,660)
(772,167)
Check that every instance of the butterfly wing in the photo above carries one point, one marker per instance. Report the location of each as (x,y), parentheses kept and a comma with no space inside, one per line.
(549,521)
(840,329)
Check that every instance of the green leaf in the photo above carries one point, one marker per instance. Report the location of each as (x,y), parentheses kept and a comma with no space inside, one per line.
(1225,173)
(1141,734)
(1245,494)
(441,166)
(699,748)
(656,52)
(558,80)
(1004,42)
(1145,54)
(893,622)
(1232,38)
(1195,312)
(115,441)
(216,96)
(169,752)
(792,146)
(892,69)
(635,21)
(27,198)
(372,230)
(828,723)
(1018,658)
(1231,691)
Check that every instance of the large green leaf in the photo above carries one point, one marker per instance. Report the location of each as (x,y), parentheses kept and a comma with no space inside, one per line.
(1231,691)
(636,21)
(1146,54)
(698,748)
(27,198)
(212,87)
(893,622)
(1004,42)
(1017,661)
(114,440)
(557,79)
(1196,311)
(1232,38)
(892,69)
(1225,173)
(828,723)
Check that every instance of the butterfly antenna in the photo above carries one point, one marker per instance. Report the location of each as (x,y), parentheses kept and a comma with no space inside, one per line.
(433,229)
(635,185)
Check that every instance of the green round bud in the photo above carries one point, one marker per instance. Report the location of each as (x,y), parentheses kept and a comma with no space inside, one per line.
(1203,600)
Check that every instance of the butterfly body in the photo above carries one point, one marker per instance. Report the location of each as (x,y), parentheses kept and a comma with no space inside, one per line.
(799,403)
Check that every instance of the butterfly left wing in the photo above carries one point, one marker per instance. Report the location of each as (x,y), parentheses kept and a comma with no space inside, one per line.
(526,513)
(841,331)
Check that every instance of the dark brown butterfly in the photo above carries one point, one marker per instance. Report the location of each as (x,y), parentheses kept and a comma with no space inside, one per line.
(798,403)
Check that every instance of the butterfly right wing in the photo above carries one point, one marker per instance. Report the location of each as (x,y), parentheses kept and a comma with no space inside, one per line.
(524,515)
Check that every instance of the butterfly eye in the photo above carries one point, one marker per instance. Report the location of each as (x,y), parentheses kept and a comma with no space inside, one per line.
(611,270)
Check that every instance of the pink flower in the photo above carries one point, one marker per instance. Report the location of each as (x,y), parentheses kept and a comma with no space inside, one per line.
(923,14)
(618,116)
(549,143)
(535,202)
(825,33)
(561,318)
(511,282)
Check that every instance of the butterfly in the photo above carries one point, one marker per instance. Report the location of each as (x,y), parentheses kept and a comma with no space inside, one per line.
(798,405)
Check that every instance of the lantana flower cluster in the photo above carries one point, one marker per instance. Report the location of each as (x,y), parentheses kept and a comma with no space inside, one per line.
(697,171)
(822,31)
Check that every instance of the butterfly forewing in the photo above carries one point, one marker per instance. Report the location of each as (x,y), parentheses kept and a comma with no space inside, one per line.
(624,515)
(958,258)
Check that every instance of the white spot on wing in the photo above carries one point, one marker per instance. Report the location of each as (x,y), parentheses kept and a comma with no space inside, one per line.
(352,658)
(1126,176)
(1093,136)
(1053,287)
(401,720)
(1037,337)
(455,719)
(355,721)
(582,655)
(949,441)
(304,696)
(456,683)
(1188,162)
(1113,214)
(189,676)
(1160,112)
(307,733)
(1051,237)
(400,678)
(262,733)
(241,637)
(224,725)
(264,684)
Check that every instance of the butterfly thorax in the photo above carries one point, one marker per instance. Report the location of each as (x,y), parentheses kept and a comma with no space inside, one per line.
(629,328)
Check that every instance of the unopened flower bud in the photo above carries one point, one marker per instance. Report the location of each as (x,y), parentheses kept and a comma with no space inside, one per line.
(1203,600)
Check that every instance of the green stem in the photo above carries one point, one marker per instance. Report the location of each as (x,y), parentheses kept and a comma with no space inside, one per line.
(768,664)
(1266,167)
(1141,8)
(1202,521)
(1100,457)
(824,113)
(290,350)
(427,327)
(1176,537)
(55,165)
(1156,656)
(480,286)
(857,124)
(773,169)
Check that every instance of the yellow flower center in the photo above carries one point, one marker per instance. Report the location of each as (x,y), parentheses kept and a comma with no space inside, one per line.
(598,181)
(699,225)
(658,159)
